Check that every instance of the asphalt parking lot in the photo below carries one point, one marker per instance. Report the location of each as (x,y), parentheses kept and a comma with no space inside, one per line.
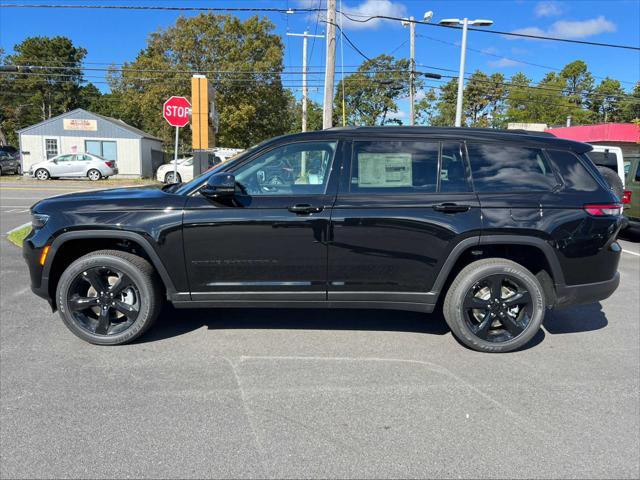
(303,393)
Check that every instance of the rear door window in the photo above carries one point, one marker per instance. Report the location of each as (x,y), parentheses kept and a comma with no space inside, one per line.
(574,175)
(394,166)
(502,168)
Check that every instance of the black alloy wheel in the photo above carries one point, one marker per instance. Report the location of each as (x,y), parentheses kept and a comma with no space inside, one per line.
(498,308)
(109,297)
(103,301)
(494,305)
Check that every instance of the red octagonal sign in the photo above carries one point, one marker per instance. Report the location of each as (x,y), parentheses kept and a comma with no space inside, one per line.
(177,111)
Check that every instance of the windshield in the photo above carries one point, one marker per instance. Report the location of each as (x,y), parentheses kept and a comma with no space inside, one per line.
(185,188)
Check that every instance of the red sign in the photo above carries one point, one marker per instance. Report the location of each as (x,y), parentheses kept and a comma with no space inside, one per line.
(177,111)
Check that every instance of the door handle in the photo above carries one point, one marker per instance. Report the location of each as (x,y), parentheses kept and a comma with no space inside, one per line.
(451,208)
(304,209)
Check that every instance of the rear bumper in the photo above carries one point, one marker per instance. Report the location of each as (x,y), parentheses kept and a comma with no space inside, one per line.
(568,295)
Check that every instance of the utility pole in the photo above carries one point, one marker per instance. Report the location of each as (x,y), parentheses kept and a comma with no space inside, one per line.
(330,69)
(412,63)
(305,36)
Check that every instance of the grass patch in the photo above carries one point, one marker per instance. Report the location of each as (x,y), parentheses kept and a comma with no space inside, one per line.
(17,236)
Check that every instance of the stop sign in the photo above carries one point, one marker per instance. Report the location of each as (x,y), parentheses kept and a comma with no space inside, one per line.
(176,111)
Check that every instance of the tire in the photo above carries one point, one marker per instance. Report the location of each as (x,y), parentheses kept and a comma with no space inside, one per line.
(94,175)
(168,178)
(485,328)
(613,180)
(18,170)
(42,174)
(136,295)
(0,171)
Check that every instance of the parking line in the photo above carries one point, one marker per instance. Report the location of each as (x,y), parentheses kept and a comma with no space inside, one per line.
(632,253)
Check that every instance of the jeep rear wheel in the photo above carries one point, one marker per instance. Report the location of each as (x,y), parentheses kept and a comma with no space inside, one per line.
(494,305)
(109,297)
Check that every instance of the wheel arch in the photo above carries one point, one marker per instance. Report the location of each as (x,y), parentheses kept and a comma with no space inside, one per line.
(534,253)
(59,256)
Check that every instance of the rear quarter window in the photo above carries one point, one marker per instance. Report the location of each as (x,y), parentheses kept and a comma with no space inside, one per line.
(502,168)
(575,176)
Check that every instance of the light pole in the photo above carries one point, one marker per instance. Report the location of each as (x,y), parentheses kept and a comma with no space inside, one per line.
(465,22)
(409,22)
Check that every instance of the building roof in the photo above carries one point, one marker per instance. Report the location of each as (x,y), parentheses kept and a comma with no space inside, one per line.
(119,124)
(604,132)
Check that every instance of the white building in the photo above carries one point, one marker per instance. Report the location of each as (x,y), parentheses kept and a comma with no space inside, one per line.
(136,153)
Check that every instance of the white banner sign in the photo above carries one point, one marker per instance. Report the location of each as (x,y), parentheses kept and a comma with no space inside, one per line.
(80,124)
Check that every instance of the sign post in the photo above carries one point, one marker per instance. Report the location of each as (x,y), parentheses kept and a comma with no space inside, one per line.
(176,111)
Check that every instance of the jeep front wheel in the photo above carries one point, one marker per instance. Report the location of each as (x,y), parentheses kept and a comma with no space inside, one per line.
(109,297)
(494,305)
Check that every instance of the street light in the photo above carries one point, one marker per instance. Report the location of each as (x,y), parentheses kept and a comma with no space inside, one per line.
(465,22)
(410,22)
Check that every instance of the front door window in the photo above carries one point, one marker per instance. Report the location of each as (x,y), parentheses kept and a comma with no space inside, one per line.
(295,169)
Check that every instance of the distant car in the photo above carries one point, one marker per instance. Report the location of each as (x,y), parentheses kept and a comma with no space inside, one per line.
(610,163)
(87,165)
(631,197)
(185,171)
(9,161)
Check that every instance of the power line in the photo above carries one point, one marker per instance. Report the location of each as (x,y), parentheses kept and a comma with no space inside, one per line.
(496,32)
(554,69)
(289,11)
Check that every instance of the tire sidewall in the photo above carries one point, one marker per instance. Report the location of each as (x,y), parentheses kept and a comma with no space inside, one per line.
(456,312)
(42,170)
(94,179)
(147,298)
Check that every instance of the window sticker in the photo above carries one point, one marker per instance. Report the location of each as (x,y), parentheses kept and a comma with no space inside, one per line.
(380,170)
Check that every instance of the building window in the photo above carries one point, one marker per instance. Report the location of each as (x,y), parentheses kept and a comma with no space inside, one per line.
(106,150)
(51,146)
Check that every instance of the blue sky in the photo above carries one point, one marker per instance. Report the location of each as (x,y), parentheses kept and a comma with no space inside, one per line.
(116,36)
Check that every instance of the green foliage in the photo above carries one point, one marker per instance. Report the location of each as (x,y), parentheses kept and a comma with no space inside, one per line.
(372,92)
(314,115)
(251,103)
(42,94)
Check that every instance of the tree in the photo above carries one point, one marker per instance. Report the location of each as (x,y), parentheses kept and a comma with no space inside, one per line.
(579,82)
(446,105)
(631,106)
(314,115)
(606,101)
(425,107)
(372,92)
(32,95)
(243,61)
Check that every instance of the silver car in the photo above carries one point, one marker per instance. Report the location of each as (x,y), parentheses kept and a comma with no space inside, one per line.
(74,165)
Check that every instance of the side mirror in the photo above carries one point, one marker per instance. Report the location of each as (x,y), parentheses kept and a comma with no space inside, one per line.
(220,185)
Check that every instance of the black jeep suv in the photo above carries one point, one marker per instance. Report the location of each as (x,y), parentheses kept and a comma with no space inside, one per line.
(493,227)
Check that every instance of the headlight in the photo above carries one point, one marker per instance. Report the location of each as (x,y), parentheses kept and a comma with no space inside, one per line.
(38,220)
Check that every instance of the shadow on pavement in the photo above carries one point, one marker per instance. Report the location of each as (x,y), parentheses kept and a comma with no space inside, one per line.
(630,234)
(583,318)
(173,322)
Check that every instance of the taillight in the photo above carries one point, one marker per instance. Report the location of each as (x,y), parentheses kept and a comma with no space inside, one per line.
(109,164)
(601,210)
(626,197)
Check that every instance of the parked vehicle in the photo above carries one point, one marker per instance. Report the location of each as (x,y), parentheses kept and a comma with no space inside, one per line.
(87,165)
(10,161)
(631,197)
(495,227)
(185,171)
(610,163)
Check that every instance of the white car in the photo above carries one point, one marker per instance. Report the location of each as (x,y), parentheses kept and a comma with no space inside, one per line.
(610,162)
(87,165)
(185,171)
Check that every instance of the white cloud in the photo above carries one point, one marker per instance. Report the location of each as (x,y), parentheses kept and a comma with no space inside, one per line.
(571,29)
(489,50)
(504,62)
(370,8)
(548,9)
